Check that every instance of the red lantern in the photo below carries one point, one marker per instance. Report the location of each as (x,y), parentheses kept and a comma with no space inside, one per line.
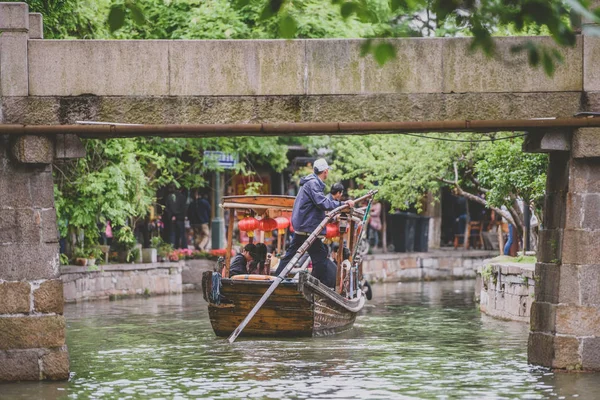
(267,225)
(332,230)
(282,224)
(248,224)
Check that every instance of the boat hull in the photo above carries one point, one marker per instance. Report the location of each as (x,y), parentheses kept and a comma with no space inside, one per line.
(301,308)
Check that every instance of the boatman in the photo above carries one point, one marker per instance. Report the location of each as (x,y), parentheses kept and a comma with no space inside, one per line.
(308,212)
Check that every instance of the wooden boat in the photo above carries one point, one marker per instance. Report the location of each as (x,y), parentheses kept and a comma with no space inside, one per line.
(301,305)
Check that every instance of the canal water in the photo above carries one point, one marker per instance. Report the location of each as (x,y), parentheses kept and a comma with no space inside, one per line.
(422,340)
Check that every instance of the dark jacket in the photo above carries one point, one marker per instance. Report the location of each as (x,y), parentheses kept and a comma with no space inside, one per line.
(238,265)
(199,212)
(175,206)
(311,204)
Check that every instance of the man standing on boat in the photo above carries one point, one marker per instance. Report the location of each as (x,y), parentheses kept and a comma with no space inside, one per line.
(308,212)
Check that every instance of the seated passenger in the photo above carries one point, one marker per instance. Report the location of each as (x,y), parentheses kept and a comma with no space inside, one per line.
(239,263)
(259,258)
(331,271)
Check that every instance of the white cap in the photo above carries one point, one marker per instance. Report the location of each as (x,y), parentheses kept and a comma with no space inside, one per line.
(321,165)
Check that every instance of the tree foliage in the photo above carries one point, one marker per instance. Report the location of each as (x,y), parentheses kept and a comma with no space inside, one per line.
(118,178)
(403,168)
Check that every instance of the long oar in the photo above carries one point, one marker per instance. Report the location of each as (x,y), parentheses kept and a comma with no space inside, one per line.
(309,241)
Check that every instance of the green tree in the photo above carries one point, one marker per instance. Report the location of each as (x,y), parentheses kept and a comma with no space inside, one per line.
(405,167)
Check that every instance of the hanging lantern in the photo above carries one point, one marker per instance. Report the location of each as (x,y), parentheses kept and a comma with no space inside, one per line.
(248,224)
(282,224)
(332,230)
(267,225)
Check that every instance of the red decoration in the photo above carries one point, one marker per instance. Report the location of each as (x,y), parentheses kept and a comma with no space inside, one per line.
(282,224)
(267,225)
(248,224)
(332,230)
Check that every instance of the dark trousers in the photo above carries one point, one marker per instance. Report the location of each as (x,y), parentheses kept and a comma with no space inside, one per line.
(317,252)
(509,242)
(177,235)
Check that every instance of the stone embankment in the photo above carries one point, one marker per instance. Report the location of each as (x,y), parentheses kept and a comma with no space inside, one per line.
(121,280)
(434,265)
(506,288)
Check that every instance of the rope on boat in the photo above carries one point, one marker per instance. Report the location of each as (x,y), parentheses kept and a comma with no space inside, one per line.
(215,293)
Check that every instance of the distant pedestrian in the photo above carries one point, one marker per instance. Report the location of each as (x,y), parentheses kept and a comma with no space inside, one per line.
(175,212)
(375,224)
(108,234)
(199,217)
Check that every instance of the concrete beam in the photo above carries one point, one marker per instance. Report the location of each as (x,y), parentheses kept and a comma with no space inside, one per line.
(336,67)
(300,108)
(68,147)
(14,25)
(281,67)
(100,67)
(33,149)
(547,142)
(36,26)
(466,71)
(586,143)
(236,67)
(14,17)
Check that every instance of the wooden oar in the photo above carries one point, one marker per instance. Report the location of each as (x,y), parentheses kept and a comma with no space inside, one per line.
(307,243)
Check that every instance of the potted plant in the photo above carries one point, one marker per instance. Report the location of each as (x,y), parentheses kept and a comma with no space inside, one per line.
(93,254)
(150,255)
(80,256)
(163,249)
(125,242)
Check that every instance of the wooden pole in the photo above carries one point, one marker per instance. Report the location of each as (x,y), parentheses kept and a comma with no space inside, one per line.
(340,258)
(229,242)
(384,227)
(278,242)
(351,237)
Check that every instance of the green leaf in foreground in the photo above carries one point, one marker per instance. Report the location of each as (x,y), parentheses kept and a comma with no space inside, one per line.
(116,17)
(136,13)
(288,27)
(384,52)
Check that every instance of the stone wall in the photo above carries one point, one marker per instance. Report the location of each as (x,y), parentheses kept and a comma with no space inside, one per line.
(506,290)
(114,280)
(434,265)
(289,67)
(32,325)
(191,275)
(565,316)
(173,82)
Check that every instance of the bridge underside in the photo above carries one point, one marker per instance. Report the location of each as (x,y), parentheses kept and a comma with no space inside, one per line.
(295,108)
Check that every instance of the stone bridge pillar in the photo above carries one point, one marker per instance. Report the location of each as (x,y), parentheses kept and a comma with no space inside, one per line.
(32,325)
(565,316)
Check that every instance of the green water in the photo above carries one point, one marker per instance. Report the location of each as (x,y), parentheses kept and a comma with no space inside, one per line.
(418,340)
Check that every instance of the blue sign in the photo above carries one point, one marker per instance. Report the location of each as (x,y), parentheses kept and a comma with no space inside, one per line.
(220,159)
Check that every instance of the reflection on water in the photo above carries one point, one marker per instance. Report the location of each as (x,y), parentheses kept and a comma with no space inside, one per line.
(417,340)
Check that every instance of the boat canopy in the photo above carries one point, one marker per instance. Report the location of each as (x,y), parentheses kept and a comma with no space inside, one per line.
(259,203)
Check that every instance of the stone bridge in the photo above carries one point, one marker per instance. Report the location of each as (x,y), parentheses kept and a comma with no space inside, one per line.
(194,82)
